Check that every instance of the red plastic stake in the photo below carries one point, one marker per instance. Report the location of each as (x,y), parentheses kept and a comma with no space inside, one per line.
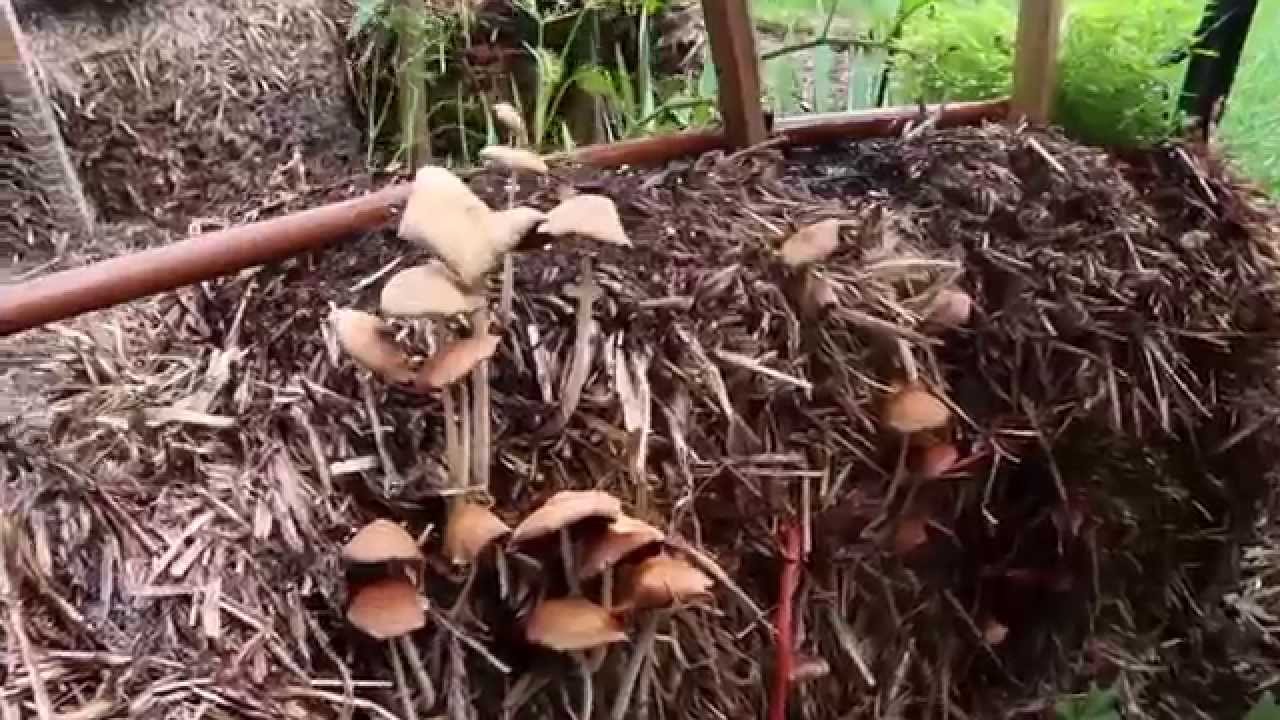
(790,539)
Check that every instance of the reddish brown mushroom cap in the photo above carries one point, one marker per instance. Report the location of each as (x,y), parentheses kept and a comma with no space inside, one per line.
(811,244)
(914,409)
(663,581)
(471,529)
(934,461)
(387,609)
(624,537)
(565,509)
(381,541)
(455,360)
(574,623)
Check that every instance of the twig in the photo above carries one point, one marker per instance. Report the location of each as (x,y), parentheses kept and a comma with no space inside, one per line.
(790,539)
(481,414)
(390,476)
(335,698)
(835,43)
(717,573)
(470,642)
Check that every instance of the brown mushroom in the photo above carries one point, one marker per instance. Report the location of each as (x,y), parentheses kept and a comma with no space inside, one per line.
(593,216)
(626,537)
(994,632)
(818,295)
(913,409)
(426,290)
(452,362)
(445,217)
(572,624)
(951,309)
(805,668)
(508,227)
(470,530)
(812,243)
(387,609)
(934,461)
(664,581)
(381,541)
(509,117)
(514,159)
(367,339)
(564,509)
(912,532)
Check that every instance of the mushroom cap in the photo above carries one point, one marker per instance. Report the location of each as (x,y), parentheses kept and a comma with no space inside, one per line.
(624,537)
(470,530)
(994,631)
(509,117)
(934,461)
(912,532)
(425,290)
(452,362)
(565,509)
(508,227)
(593,216)
(387,609)
(663,581)
(819,293)
(913,410)
(381,541)
(951,308)
(445,217)
(513,158)
(572,623)
(367,339)
(812,243)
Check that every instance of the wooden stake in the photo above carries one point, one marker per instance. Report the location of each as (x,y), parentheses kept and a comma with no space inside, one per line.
(39,127)
(733,49)
(1036,60)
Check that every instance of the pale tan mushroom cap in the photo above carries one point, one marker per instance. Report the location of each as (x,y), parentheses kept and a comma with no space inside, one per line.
(662,581)
(811,244)
(625,536)
(564,509)
(508,228)
(381,541)
(452,362)
(471,529)
(934,461)
(593,216)
(513,158)
(509,117)
(573,623)
(387,609)
(951,308)
(425,290)
(366,338)
(445,217)
(913,410)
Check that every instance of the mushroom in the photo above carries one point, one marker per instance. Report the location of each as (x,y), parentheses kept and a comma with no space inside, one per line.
(445,217)
(572,624)
(951,309)
(817,295)
(509,117)
(812,243)
(913,409)
(625,538)
(565,509)
(455,360)
(593,216)
(912,532)
(663,581)
(470,530)
(381,541)
(514,159)
(366,338)
(426,290)
(508,227)
(994,632)
(934,461)
(387,609)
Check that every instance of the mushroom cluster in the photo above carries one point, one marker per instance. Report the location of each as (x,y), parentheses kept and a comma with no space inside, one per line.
(385,600)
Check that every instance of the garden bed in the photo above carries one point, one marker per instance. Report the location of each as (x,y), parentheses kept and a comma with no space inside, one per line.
(174,534)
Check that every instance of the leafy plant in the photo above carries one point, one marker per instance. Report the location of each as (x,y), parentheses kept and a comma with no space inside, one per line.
(1265,709)
(1097,704)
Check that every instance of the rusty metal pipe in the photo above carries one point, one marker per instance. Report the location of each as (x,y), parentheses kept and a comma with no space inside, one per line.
(92,287)
(120,279)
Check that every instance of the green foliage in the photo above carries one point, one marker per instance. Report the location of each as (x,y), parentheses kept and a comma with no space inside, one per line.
(1265,709)
(1097,704)
(1116,85)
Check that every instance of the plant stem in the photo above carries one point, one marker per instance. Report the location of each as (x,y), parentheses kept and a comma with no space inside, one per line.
(639,653)
(789,539)
(838,43)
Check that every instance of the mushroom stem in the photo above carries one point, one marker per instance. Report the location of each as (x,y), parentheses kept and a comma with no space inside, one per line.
(480,417)
(452,444)
(570,569)
(588,691)
(402,683)
(390,476)
(641,652)
(414,659)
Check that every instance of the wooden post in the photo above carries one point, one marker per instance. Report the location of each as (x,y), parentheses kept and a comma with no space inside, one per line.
(733,50)
(1036,60)
(37,127)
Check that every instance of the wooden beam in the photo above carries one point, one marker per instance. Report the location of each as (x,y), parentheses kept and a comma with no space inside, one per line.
(1036,60)
(733,50)
(35,122)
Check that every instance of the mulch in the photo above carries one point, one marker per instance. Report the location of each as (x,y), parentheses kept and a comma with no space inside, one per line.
(172,520)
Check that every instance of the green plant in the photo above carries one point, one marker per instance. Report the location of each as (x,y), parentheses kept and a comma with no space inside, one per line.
(1097,704)
(1265,709)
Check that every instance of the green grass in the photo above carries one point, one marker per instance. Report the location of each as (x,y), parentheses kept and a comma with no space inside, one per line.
(1251,128)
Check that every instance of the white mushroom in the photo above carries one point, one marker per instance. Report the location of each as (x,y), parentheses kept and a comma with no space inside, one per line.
(445,217)
(426,290)
(593,216)
(513,158)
